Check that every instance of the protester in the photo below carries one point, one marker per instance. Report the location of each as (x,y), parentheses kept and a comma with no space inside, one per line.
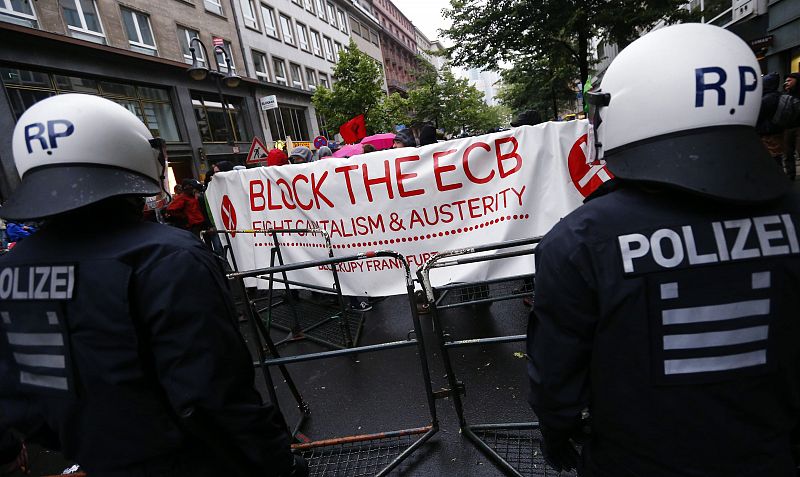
(324,152)
(144,371)
(300,155)
(368,148)
(16,232)
(771,133)
(276,157)
(404,138)
(184,210)
(791,137)
(427,135)
(664,318)
(530,117)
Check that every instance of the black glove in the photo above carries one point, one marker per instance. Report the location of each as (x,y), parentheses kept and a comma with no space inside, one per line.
(299,467)
(558,450)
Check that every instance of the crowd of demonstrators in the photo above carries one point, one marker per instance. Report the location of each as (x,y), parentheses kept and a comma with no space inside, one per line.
(791,138)
(771,133)
(665,317)
(184,211)
(157,381)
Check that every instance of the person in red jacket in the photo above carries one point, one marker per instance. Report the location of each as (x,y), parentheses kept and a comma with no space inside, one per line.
(184,210)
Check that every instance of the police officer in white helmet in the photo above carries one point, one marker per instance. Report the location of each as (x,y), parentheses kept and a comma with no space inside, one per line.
(121,334)
(667,307)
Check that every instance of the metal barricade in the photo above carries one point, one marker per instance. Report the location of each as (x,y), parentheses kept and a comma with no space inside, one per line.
(325,317)
(359,454)
(513,446)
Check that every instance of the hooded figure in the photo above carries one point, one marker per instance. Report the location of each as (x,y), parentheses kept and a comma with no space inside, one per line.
(300,155)
(427,135)
(404,138)
(277,157)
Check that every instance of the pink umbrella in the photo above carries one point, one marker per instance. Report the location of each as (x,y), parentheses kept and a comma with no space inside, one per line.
(349,150)
(380,141)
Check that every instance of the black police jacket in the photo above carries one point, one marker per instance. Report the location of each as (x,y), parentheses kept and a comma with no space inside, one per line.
(114,332)
(674,320)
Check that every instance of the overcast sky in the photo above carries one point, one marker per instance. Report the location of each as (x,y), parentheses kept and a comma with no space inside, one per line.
(425,15)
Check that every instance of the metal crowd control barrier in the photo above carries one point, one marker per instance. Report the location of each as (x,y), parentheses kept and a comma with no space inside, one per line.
(356,455)
(513,446)
(326,318)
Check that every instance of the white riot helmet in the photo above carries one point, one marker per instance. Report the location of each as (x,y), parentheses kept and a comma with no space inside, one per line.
(678,107)
(73,150)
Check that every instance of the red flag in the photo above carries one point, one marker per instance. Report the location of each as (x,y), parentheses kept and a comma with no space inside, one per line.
(354,130)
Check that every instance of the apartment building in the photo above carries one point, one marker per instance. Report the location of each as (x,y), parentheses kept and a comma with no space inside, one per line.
(398,45)
(135,53)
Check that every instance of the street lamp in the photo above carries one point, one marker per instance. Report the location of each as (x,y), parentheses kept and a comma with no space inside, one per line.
(199,72)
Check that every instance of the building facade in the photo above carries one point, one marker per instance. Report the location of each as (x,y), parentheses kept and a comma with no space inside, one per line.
(398,45)
(137,53)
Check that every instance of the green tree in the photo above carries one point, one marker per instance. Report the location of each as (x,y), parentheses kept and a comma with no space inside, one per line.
(357,90)
(488,33)
(539,83)
(391,111)
(451,104)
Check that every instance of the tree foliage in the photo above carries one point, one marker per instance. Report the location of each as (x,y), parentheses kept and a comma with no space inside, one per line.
(437,97)
(451,104)
(488,33)
(540,83)
(357,90)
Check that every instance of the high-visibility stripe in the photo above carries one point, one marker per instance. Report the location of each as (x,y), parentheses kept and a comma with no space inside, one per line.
(6,317)
(41,380)
(727,311)
(716,338)
(40,360)
(52,318)
(35,339)
(715,363)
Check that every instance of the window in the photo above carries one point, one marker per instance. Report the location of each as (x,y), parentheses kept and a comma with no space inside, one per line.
(316,44)
(151,105)
(342,20)
(268,16)
(323,80)
(226,45)
(321,9)
(311,79)
(260,64)
(289,122)
(298,2)
(373,37)
(332,14)
(214,6)
(185,36)
(279,67)
(355,26)
(338,50)
(286,29)
(215,120)
(83,20)
(249,14)
(326,44)
(302,36)
(19,12)
(140,34)
(297,78)
(310,6)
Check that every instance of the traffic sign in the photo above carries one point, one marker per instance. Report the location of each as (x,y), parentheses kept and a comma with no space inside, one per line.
(320,141)
(258,152)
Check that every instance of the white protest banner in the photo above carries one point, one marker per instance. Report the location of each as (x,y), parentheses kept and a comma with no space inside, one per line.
(416,201)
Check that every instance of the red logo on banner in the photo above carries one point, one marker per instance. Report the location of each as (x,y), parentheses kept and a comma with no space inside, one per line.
(228,214)
(586,177)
